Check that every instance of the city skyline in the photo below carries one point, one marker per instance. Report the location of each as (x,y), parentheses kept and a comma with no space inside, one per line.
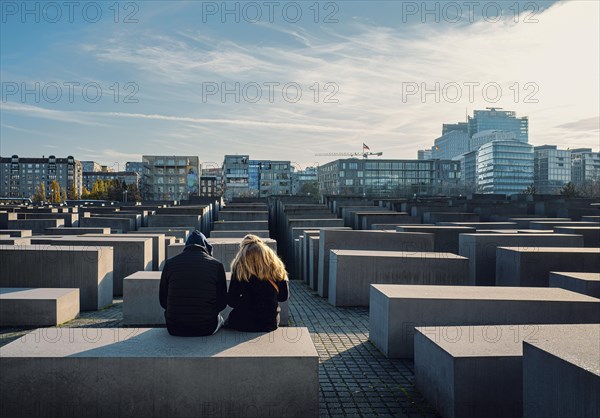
(370,55)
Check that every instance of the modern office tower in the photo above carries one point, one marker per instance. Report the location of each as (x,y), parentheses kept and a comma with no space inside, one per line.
(270,178)
(302,177)
(459,126)
(585,166)
(211,182)
(468,169)
(89,166)
(170,177)
(551,169)
(424,154)
(381,178)
(449,145)
(504,167)
(19,177)
(235,176)
(484,137)
(129,177)
(499,120)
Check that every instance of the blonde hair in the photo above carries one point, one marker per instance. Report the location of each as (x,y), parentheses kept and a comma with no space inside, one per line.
(255,258)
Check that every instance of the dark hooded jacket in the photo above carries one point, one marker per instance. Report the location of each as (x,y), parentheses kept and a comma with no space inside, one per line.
(193,289)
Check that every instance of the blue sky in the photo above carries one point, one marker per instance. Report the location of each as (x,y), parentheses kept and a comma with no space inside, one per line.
(369,61)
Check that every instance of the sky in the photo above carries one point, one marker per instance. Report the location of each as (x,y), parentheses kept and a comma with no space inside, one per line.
(109,82)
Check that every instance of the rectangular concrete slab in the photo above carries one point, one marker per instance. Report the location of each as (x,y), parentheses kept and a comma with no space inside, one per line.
(148,373)
(86,268)
(395,310)
(591,234)
(366,240)
(130,253)
(584,283)
(476,371)
(445,237)
(351,272)
(76,231)
(561,374)
(240,225)
(238,234)
(481,248)
(532,266)
(25,307)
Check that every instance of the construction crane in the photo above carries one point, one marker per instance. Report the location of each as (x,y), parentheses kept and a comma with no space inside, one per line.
(365,153)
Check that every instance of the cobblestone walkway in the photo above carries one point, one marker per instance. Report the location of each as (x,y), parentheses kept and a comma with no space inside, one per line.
(356,380)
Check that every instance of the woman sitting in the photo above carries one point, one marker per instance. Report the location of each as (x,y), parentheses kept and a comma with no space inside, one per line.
(258,282)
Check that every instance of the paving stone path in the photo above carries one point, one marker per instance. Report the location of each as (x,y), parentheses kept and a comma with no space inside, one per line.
(356,380)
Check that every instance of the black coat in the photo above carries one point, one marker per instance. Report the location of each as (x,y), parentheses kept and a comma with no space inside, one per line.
(255,304)
(193,289)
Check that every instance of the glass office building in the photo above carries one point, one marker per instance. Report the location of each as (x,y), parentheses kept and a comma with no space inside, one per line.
(499,120)
(504,167)
(585,166)
(450,145)
(389,178)
(551,169)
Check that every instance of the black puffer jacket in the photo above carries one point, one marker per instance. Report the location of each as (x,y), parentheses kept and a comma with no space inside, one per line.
(255,303)
(193,289)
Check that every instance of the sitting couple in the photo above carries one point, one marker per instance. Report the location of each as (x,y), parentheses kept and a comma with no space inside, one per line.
(193,289)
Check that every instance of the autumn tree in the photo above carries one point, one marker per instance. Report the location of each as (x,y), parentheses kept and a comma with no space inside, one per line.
(40,193)
(54,192)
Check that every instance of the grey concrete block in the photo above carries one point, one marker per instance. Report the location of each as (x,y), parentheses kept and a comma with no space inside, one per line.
(482,225)
(554,224)
(159,251)
(445,237)
(395,310)
(115,224)
(149,373)
(16,232)
(591,234)
(435,217)
(238,234)
(240,225)
(37,226)
(243,216)
(25,307)
(313,263)
(86,268)
(181,220)
(524,222)
(584,283)
(76,231)
(481,249)
(141,305)
(14,240)
(561,374)
(531,266)
(477,371)
(177,232)
(351,272)
(130,254)
(366,240)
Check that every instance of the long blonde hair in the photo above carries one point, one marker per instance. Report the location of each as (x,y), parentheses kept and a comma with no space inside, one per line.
(255,258)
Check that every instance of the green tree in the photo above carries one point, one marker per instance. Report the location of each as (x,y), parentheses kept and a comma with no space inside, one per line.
(310,189)
(63,195)
(530,189)
(569,190)
(54,192)
(86,194)
(40,193)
